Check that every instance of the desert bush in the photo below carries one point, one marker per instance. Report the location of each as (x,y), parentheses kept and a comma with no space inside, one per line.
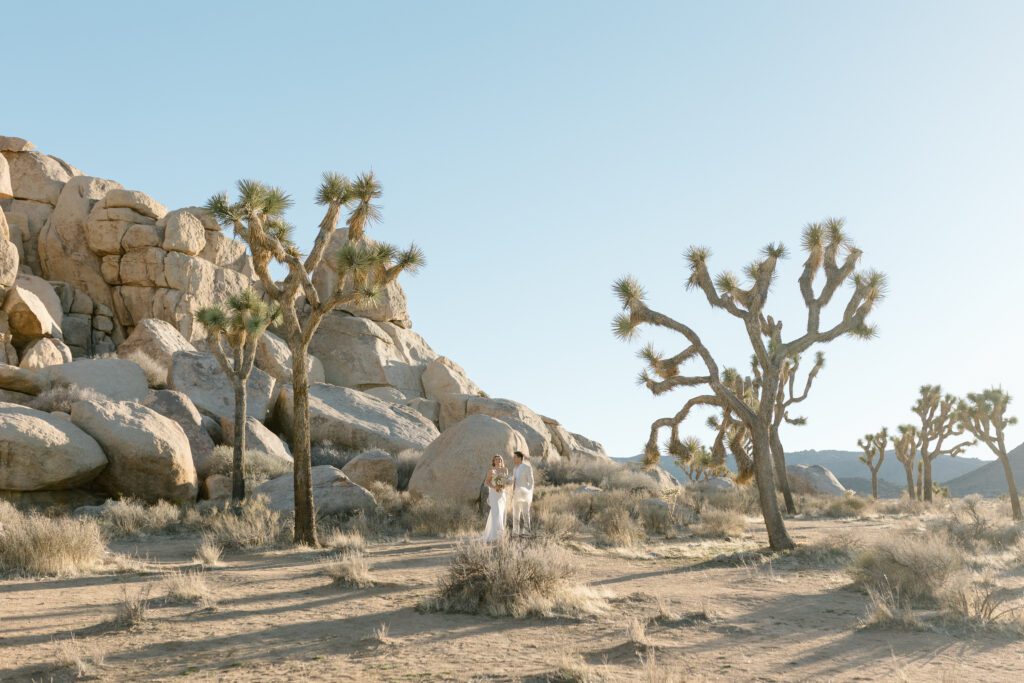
(512,579)
(133,608)
(156,374)
(348,569)
(60,397)
(606,475)
(720,523)
(561,500)
(187,587)
(343,541)
(741,499)
(557,526)
(901,506)
(130,517)
(969,527)
(250,525)
(975,601)
(329,453)
(259,466)
(85,659)
(34,545)
(430,517)
(657,518)
(574,669)
(835,507)
(406,462)
(208,553)
(911,567)
(616,527)
(887,609)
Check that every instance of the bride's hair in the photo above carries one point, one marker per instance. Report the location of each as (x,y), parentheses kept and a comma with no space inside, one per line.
(497,457)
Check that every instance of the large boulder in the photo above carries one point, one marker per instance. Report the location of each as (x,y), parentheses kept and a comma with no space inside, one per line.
(814,479)
(6,191)
(275,358)
(357,421)
(333,492)
(456,407)
(22,380)
(149,454)
(587,450)
(35,176)
(45,352)
(177,406)
(360,354)
(443,376)
(10,259)
(258,438)
(157,339)
(663,481)
(454,466)
(33,310)
(118,380)
(39,451)
(372,466)
(199,376)
(183,231)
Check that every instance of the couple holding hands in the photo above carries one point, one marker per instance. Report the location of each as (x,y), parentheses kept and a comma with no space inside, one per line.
(501,487)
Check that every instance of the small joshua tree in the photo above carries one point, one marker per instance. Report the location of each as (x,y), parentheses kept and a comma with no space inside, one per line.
(832,259)
(873,446)
(939,423)
(235,330)
(695,460)
(984,416)
(364,269)
(904,445)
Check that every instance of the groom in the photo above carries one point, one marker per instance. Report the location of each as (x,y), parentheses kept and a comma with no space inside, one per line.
(522,494)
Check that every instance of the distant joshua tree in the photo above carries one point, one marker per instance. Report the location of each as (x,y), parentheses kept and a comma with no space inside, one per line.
(364,269)
(832,258)
(235,330)
(695,460)
(984,416)
(938,415)
(873,446)
(905,447)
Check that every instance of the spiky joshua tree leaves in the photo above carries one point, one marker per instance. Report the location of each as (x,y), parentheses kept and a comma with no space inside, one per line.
(873,446)
(364,269)
(937,413)
(831,261)
(235,330)
(984,416)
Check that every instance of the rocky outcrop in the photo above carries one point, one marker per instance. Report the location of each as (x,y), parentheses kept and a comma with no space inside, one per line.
(357,421)
(39,451)
(22,381)
(45,352)
(814,479)
(454,466)
(275,358)
(157,339)
(33,310)
(371,467)
(118,380)
(176,406)
(149,455)
(444,377)
(333,492)
(199,376)
(258,438)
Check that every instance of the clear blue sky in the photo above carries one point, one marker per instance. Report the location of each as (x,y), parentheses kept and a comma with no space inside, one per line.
(538,150)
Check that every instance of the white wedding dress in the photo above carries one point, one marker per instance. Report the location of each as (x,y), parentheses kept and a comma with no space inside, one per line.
(495,529)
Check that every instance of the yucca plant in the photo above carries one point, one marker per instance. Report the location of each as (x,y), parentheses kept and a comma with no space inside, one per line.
(831,261)
(234,330)
(984,415)
(938,415)
(873,446)
(904,444)
(364,270)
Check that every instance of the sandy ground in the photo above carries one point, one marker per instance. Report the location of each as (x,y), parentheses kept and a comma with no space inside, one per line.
(278,619)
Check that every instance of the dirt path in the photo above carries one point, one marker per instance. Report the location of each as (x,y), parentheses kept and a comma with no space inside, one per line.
(277,619)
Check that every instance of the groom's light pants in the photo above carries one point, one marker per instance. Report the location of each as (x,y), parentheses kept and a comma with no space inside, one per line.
(521,512)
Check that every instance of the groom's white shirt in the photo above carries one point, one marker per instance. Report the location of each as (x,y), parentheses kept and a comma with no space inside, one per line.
(523,478)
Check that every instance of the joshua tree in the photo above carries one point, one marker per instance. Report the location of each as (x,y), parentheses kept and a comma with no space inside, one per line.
(694,459)
(905,447)
(873,446)
(364,269)
(984,416)
(937,413)
(830,255)
(235,331)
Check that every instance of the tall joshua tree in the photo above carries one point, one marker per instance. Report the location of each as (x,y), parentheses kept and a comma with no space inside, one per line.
(235,330)
(830,257)
(787,398)
(904,445)
(938,415)
(364,269)
(873,446)
(984,416)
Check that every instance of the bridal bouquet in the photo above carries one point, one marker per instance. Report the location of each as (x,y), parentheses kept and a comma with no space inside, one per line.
(500,479)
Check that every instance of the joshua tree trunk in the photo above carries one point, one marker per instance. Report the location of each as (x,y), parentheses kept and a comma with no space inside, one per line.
(927,485)
(238,459)
(305,511)
(909,468)
(874,484)
(920,480)
(779,460)
(1011,486)
(764,475)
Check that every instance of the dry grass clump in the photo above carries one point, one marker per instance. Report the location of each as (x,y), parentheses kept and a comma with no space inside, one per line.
(60,397)
(85,659)
(887,609)
(979,602)
(32,544)
(657,517)
(430,517)
(130,517)
(834,507)
(511,579)
(156,374)
(406,462)
(259,466)
(971,527)
(636,634)
(719,523)
(565,500)
(329,453)
(250,525)
(902,506)
(343,541)
(557,526)
(574,669)
(606,475)
(348,569)
(133,609)
(617,528)
(188,587)
(208,553)
(911,567)
(741,499)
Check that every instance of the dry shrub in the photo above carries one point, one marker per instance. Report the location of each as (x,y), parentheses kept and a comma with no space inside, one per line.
(834,507)
(719,523)
(574,669)
(259,466)
(657,517)
(35,545)
(887,609)
(430,517)
(343,541)
(60,397)
(250,525)
(513,579)
(829,552)
(636,634)
(616,527)
(406,462)
(912,567)
(741,499)
(85,659)
(969,527)
(567,501)
(606,475)
(557,526)
(902,506)
(977,602)
(130,517)
(187,587)
(329,453)
(133,608)
(348,569)
(208,553)
(156,374)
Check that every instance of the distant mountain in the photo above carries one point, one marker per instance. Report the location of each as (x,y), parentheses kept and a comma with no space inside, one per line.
(989,479)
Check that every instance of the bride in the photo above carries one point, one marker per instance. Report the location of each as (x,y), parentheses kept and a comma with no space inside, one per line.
(497,498)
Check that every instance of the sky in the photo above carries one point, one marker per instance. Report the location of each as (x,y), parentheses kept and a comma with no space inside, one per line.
(537,151)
